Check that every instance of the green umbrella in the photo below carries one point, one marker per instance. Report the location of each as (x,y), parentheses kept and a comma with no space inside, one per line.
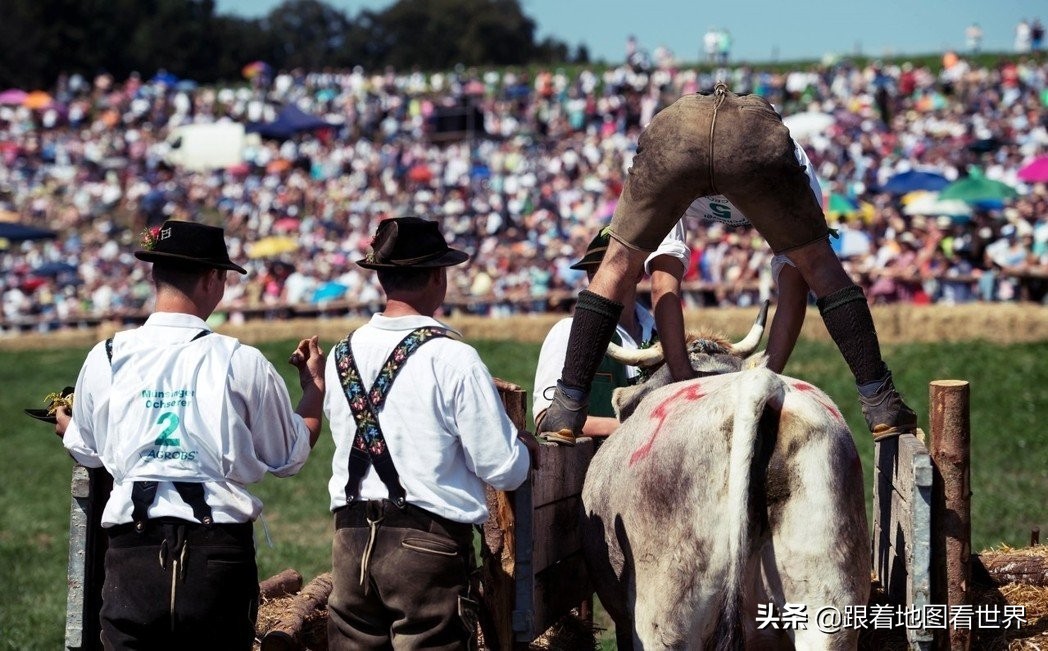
(841,205)
(976,187)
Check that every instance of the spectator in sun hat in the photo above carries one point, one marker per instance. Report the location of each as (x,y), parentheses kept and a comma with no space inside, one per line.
(419,429)
(184,419)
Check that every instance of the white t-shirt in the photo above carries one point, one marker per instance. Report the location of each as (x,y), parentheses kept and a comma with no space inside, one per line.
(219,414)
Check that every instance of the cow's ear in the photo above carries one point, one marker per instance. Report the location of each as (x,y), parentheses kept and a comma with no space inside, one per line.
(624,400)
(760,360)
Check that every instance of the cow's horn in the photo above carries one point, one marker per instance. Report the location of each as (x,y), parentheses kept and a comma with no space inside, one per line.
(641,357)
(750,342)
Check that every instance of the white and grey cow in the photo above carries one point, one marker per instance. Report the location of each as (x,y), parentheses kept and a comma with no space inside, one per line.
(724,505)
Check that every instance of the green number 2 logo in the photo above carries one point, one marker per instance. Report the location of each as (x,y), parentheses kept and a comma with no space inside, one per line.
(172,424)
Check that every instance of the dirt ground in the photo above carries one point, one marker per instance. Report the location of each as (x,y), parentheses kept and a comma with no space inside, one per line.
(1002,322)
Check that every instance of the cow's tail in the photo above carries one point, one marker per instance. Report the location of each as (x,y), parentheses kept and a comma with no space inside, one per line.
(755,391)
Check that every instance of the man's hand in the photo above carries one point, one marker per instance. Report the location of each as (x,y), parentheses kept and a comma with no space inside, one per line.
(62,418)
(532,444)
(309,359)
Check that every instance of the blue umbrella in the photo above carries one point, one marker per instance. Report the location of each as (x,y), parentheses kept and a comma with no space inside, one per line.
(329,291)
(164,77)
(906,182)
(19,232)
(55,269)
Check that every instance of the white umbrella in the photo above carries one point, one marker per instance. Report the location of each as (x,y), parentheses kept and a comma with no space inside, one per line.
(930,205)
(808,123)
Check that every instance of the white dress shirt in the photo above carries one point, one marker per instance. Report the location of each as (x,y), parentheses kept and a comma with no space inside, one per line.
(443,422)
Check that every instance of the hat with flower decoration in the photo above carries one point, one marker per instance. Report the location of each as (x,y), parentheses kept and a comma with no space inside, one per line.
(187,244)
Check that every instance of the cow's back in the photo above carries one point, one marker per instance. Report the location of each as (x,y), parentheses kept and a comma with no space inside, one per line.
(658,518)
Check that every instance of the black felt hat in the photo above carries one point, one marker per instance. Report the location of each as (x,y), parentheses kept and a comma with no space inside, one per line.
(595,251)
(410,243)
(48,415)
(187,244)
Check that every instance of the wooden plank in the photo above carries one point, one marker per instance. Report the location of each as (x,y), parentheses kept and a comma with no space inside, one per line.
(548,534)
(919,538)
(498,543)
(523,619)
(76,572)
(557,532)
(902,525)
(562,471)
(534,536)
(89,492)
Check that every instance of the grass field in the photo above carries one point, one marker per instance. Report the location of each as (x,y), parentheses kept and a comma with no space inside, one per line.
(1009,405)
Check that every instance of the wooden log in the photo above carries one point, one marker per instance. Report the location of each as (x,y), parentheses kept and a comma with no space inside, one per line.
(286,634)
(498,553)
(950,450)
(1004,568)
(280,585)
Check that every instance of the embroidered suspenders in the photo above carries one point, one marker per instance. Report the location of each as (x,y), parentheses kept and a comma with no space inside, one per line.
(369,447)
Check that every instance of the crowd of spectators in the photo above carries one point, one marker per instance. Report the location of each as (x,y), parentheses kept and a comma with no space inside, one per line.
(522,188)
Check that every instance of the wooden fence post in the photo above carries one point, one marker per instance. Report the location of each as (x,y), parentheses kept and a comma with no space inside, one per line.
(89,492)
(902,501)
(498,552)
(951,514)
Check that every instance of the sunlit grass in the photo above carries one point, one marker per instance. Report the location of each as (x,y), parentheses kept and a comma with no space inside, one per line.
(1009,407)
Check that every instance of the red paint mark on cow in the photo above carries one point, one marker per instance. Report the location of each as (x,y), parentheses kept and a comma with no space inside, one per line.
(659,413)
(804,386)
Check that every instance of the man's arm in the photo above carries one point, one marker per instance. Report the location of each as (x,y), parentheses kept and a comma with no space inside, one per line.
(308,358)
(666,275)
(791,307)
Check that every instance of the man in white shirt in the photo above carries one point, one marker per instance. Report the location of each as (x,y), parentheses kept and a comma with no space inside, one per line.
(184,419)
(419,429)
(702,146)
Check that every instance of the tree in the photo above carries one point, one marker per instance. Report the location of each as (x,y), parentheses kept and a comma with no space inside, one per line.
(439,34)
(306,34)
(46,38)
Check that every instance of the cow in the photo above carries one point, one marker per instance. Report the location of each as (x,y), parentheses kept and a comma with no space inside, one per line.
(726,509)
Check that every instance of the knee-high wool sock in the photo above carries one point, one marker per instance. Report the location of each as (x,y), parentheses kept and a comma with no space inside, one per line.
(850,324)
(591,329)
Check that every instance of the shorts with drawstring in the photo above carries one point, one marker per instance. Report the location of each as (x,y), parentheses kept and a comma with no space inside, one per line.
(719,143)
(180,585)
(401,578)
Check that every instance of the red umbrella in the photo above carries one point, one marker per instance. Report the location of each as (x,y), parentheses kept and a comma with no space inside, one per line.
(254,69)
(420,173)
(285,224)
(1036,171)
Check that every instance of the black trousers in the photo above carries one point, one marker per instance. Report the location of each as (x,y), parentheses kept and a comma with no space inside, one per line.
(180,585)
(416,580)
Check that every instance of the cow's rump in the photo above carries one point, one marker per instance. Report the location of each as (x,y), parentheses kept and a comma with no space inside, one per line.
(718,495)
